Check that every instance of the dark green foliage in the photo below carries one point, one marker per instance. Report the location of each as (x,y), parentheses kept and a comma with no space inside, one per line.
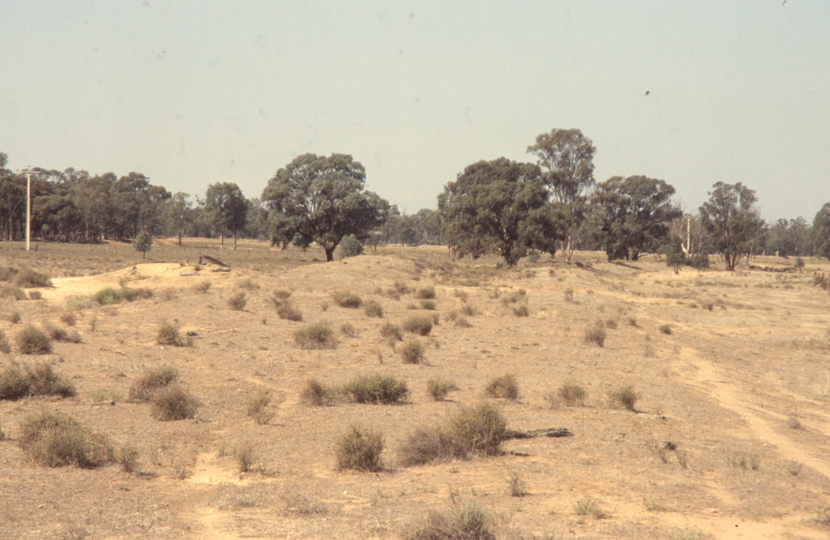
(55,440)
(820,232)
(420,324)
(475,430)
(675,257)
(32,340)
(28,278)
(632,215)
(143,242)
(335,186)
(412,352)
(503,387)
(316,336)
(148,382)
(789,238)
(37,380)
(499,207)
(376,389)
(734,223)
(172,402)
(468,522)
(226,209)
(359,449)
(347,299)
(698,261)
(350,246)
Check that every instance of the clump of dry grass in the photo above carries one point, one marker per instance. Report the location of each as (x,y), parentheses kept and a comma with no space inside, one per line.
(625,396)
(237,301)
(5,347)
(428,305)
(35,295)
(281,294)
(316,336)
(347,299)
(248,284)
(32,340)
(467,522)
(426,293)
(412,352)
(172,402)
(377,389)
(391,332)
(521,311)
(595,334)
(503,387)
(665,329)
(289,312)
(372,308)
(28,278)
(69,318)
(316,393)
(419,324)
(439,388)
(149,382)
(348,330)
(202,287)
(168,334)
(572,393)
(128,458)
(468,310)
(257,407)
(57,333)
(589,506)
(55,440)
(13,317)
(359,449)
(474,430)
(245,454)
(37,380)
(12,292)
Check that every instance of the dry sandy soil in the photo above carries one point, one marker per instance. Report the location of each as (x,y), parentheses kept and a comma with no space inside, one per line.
(737,380)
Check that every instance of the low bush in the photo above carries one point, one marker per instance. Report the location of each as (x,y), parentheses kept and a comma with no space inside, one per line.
(521,311)
(420,324)
(202,287)
(665,329)
(13,383)
(468,310)
(37,380)
(475,430)
(32,340)
(504,387)
(428,305)
(289,312)
(347,299)
(359,449)
(373,309)
(150,381)
(317,393)
(5,347)
(572,393)
(56,333)
(350,246)
(168,334)
(316,336)
(376,389)
(439,388)
(588,506)
(12,292)
(595,334)
(128,458)
(245,454)
(13,317)
(348,330)
(461,322)
(257,407)
(35,295)
(412,352)
(237,302)
(172,402)
(391,332)
(248,284)
(625,396)
(426,293)
(110,296)
(55,440)
(69,318)
(28,278)
(468,522)
(281,294)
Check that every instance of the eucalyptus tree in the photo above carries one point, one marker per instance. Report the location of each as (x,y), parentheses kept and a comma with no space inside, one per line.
(733,222)
(226,208)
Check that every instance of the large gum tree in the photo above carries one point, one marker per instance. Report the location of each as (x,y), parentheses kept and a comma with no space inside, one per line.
(733,222)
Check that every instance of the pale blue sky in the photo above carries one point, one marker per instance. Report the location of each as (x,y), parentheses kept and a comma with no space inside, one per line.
(195,92)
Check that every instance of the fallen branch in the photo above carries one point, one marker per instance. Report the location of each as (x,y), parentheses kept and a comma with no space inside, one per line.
(548,432)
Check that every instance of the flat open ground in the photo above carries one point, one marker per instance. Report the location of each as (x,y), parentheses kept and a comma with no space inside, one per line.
(737,379)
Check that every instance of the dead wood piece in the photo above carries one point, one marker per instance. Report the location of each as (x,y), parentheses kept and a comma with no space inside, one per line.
(547,432)
(204,259)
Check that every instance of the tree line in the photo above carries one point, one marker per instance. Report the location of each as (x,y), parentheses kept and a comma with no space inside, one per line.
(505,207)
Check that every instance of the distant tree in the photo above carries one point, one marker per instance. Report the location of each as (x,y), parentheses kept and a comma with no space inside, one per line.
(177,215)
(499,207)
(4,160)
(143,242)
(633,215)
(675,257)
(820,232)
(789,237)
(321,199)
(92,199)
(226,209)
(567,158)
(733,222)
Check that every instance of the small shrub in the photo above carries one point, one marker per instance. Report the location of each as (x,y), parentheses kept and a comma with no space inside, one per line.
(35,295)
(202,287)
(426,293)
(348,330)
(438,388)
(794,423)
(595,334)
(665,329)
(625,396)
(69,318)
(172,402)
(150,381)
(55,440)
(632,321)
(391,332)
(43,381)
(13,317)
(572,393)
(5,347)
(521,311)
(281,294)
(347,299)
(373,309)
(168,334)
(289,312)
(589,506)
(167,294)
(428,305)
(421,325)
(468,310)
(503,387)
(317,393)
(130,295)
(12,292)
(110,296)
(518,486)
(359,449)
(611,323)
(350,246)
(468,522)
(13,383)
(376,389)
(248,284)
(257,405)
(568,295)
(475,430)
(28,278)
(245,455)
(237,302)
(316,336)
(31,340)
(128,458)
(461,322)
(412,352)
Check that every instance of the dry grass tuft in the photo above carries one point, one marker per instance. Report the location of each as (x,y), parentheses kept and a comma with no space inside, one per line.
(202,287)
(168,334)
(625,396)
(372,308)
(468,522)
(420,324)
(439,388)
(377,389)
(151,381)
(391,332)
(589,506)
(504,387)
(426,293)
(28,278)
(359,449)
(318,394)
(572,393)
(37,380)
(257,407)
(5,347)
(412,352)
(595,334)
(55,440)
(172,402)
(237,301)
(347,299)
(32,340)
(316,336)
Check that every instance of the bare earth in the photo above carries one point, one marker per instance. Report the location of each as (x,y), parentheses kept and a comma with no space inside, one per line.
(740,386)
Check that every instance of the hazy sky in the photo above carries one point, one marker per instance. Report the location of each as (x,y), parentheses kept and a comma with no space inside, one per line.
(195,92)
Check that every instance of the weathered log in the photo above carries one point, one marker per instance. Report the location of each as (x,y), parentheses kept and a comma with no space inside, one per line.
(212,260)
(547,432)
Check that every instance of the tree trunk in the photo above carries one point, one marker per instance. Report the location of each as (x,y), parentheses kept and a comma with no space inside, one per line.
(222,240)
(329,254)
(180,238)
(566,249)
(235,234)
